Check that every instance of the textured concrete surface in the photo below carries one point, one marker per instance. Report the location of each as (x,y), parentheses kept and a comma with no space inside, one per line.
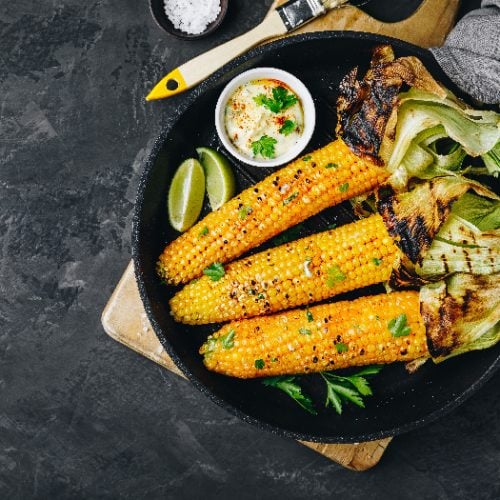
(84,417)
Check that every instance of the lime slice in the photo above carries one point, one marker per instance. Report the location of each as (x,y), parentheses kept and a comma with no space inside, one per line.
(221,185)
(186,193)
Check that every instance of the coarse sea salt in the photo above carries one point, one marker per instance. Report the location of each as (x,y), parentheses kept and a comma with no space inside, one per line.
(192,16)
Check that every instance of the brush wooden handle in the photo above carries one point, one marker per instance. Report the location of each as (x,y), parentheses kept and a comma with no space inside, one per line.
(196,70)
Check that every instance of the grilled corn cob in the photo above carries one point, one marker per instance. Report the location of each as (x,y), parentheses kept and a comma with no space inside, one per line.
(302,272)
(378,329)
(308,185)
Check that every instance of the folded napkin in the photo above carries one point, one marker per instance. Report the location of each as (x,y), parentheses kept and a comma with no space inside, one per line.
(470,55)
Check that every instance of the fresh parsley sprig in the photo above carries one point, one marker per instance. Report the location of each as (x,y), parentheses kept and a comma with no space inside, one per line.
(348,388)
(288,127)
(339,389)
(264,147)
(215,271)
(287,385)
(398,326)
(281,100)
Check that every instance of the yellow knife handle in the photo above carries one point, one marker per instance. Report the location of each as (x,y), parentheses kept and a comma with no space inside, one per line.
(196,70)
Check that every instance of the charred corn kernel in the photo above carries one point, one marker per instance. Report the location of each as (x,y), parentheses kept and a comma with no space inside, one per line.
(302,272)
(341,335)
(281,200)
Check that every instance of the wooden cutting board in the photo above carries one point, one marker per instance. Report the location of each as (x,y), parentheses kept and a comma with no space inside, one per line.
(124,318)
(427,26)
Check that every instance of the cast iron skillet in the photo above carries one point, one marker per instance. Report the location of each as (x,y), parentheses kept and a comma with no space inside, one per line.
(401,402)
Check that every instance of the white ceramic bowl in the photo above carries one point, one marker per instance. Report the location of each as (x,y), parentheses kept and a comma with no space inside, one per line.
(307,106)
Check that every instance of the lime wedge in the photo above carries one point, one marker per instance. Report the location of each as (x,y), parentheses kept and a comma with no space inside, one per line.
(186,193)
(221,185)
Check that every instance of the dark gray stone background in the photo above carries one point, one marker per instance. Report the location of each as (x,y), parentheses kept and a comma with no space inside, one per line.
(80,415)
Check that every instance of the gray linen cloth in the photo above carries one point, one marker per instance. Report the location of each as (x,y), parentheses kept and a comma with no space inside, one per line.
(470,55)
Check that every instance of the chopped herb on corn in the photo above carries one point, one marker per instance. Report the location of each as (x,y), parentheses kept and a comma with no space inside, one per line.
(278,202)
(298,273)
(343,334)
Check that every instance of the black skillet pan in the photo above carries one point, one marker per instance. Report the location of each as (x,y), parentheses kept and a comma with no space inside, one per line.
(401,402)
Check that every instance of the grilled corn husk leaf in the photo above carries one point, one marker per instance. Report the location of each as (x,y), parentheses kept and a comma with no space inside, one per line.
(422,119)
(434,241)
(461,314)
(364,107)
(464,246)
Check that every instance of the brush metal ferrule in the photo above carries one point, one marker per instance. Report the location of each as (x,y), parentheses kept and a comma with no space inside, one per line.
(295,13)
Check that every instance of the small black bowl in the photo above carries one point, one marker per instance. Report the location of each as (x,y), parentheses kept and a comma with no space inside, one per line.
(157,8)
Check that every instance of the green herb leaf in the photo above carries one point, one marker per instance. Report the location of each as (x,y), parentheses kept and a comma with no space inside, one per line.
(376,261)
(281,100)
(370,370)
(332,398)
(288,127)
(261,296)
(214,271)
(349,394)
(264,147)
(331,226)
(289,235)
(203,232)
(261,99)
(274,360)
(307,158)
(259,364)
(309,316)
(304,331)
(398,326)
(341,347)
(287,385)
(290,198)
(331,165)
(244,212)
(344,187)
(335,275)
(348,388)
(227,341)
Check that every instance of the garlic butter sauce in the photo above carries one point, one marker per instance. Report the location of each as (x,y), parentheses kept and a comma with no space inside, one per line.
(267,111)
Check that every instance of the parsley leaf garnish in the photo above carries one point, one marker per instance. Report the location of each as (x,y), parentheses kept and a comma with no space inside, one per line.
(331,165)
(261,296)
(244,212)
(259,364)
(304,331)
(344,187)
(341,347)
(348,388)
(309,316)
(376,261)
(288,127)
(203,232)
(335,275)
(227,341)
(281,100)
(264,146)
(290,198)
(215,271)
(307,158)
(287,385)
(398,326)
